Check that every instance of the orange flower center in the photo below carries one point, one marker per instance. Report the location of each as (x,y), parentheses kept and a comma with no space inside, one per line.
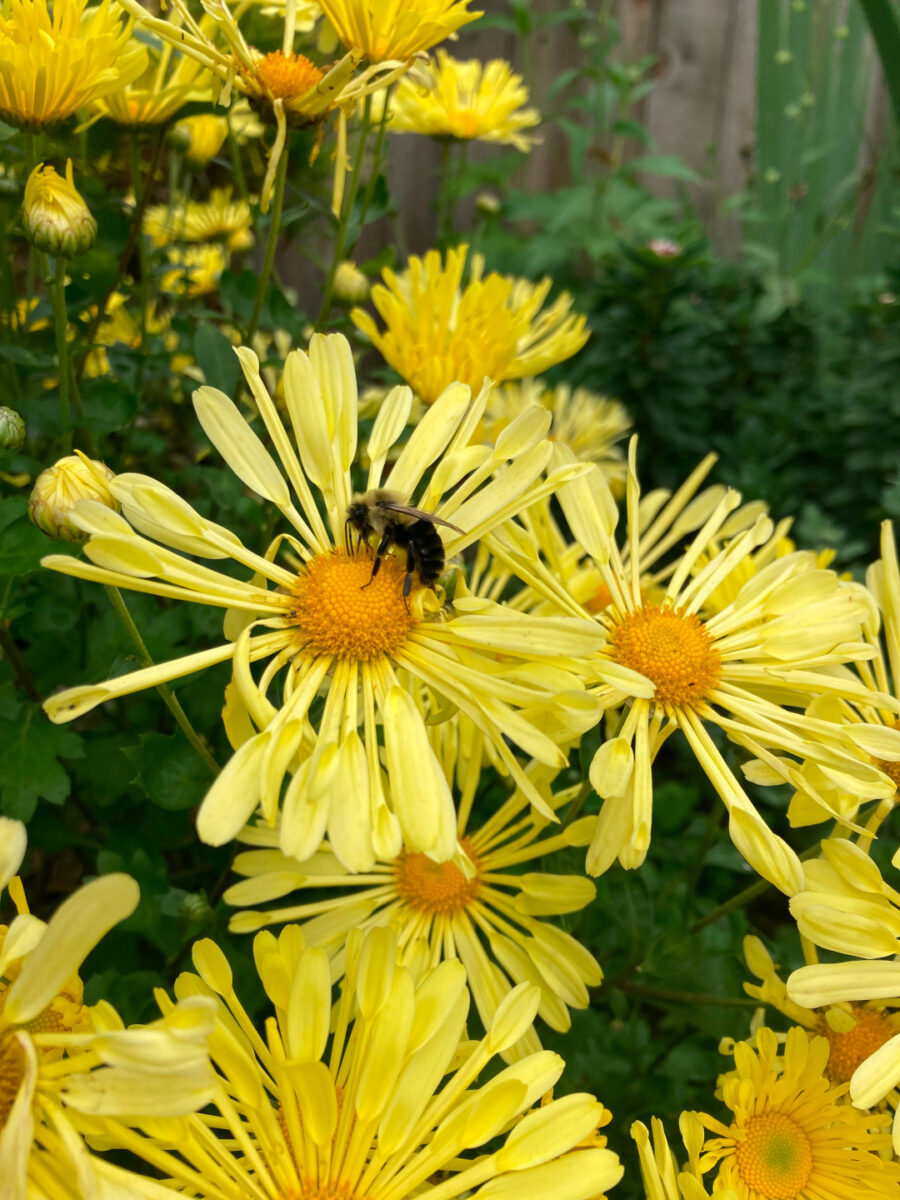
(440,889)
(848,1050)
(340,611)
(673,649)
(12,1070)
(775,1158)
(287,76)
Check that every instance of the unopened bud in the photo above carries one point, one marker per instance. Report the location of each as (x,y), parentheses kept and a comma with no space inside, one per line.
(12,429)
(487,204)
(200,137)
(56,490)
(55,217)
(350,285)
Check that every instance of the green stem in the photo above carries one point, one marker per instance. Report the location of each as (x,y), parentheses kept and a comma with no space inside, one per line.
(376,159)
(696,998)
(57,289)
(169,698)
(340,240)
(884,25)
(136,226)
(142,265)
(444,203)
(577,804)
(239,177)
(20,669)
(274,230)
(745,896)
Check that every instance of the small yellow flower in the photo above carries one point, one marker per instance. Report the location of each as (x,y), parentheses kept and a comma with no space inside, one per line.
(55,217)
(396,28)
(59,57)
(197,269)
(791,1136)
(468,100)
(218,218)
(351,286)
(438,331)
(372,1093)
(58,488)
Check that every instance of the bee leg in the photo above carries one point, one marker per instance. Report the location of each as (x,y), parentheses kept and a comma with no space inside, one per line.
(379,553)
(348,539)
(407,582)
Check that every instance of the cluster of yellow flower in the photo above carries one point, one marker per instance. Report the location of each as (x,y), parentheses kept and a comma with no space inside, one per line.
(448,600)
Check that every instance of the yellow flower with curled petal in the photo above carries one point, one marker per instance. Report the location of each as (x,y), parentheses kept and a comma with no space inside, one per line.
(59,57)
(437,330)
(478,907)
(60,1059)
(396,28)
(467,100)
(373,1094)
(791,1136)
(741,669)
(320,621)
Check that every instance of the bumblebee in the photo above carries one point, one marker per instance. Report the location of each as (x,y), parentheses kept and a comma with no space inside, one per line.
(383,514)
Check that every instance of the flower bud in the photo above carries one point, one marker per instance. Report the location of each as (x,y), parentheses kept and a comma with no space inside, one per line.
(55,217)
(12,429)
(350,285)
(75,477)
(487,204)
(201,137)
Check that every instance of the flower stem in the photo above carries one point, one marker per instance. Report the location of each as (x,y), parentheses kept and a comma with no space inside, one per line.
(142,262)
(169,698)
(57,288)
(340,240)
(679,997)
(740,899)
(271,244)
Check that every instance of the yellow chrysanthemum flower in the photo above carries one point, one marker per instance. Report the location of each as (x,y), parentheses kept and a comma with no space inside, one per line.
(376,1098)
(791,1137)
(60,1059)
(383,29)
(218,218)
(59,57)
(169,81)
(284,86)
(438,331)
(590,425)
(203,136)
(479,908)
(853,1031)
(329,625)
(196,269)
(468,100)
(739,669)
(660,1174)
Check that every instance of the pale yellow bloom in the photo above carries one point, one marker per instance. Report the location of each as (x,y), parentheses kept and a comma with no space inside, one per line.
(383,29)
(218,218)
(660,1173)
(54,215)
(496,327)
(791,1136)
(315,617)
(58,488)
(169,81)
(478,907)
(60,1060)
(372,1095)
(468,100)
(57,58)
(740,669)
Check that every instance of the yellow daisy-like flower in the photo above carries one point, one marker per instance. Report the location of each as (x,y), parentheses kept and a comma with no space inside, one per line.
(468,100)
(438,331)
(377,1098)
(660,1174)
(383,29)
(59,57)
(284,87)
(170,81)
(791,1138)
(60,1060)
(739,669)
(196,269)
(218,218)
(589,424)
(479,908)
(318,614)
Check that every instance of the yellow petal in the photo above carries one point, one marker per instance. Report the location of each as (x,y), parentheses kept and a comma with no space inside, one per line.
(13,843)
(833,983)
(309,1009)
(877,1075)
(419,789)
(550,1132)
(242,450)
(581,1175)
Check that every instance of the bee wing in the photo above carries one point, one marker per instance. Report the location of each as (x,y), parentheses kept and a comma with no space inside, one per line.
(393,506)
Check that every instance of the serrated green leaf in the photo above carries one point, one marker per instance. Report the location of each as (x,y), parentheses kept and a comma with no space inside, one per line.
(30,765)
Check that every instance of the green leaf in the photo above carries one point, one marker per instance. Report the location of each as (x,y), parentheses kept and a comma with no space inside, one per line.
(667,165)
(26,358)
(169,770)
(23,545)
(216,357)
(30,766)
(109,404)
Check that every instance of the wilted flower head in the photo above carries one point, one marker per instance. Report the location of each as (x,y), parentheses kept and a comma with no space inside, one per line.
(55,217)
(56,490)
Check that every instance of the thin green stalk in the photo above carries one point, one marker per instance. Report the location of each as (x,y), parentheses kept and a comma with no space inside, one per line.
(169,698)
(769,110)
(742,898)
(274,230)
(239,177)
(577,803)
(444,201)
(369,193)
(695,998)
(57,289)
(884,23)
(143,282)
(30,164)
(340,240)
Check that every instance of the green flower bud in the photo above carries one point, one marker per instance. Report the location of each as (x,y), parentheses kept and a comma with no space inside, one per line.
(12,429)
(55,217)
